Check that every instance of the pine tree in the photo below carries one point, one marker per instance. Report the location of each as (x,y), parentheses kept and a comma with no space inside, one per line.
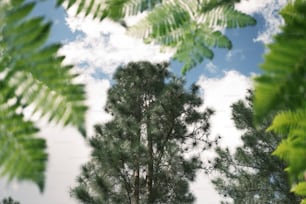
(9,200)
(252,174)
(140,156)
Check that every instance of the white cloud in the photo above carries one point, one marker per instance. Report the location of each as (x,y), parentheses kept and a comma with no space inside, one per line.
(232,53)
(220,94)
(269,10)
(211,67)
(252,6)
(67,152)
(96,99)
(105,45)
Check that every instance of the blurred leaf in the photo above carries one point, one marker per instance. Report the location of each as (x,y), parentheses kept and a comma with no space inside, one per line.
(35,77)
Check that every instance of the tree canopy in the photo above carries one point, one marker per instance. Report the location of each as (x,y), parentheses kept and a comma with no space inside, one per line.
(252,174)
(33,76)
(9,200)
(141,155)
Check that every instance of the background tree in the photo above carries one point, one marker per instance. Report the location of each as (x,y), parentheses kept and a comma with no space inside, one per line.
(31,74)
(9,200)
(140,156)
(252,174)
(282,89)
(192,28)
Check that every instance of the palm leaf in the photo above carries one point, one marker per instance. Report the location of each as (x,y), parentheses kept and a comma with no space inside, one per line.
(33,75)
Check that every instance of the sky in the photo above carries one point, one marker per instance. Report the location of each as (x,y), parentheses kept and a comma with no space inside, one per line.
(98,48)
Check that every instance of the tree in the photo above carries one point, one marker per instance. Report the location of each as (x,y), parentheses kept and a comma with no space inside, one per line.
(9,200)
(140,156)
(31,75)
(281,89)
(47,84)
(192,28)
(252,174)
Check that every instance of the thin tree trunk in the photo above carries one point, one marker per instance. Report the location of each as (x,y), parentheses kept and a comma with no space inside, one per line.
(150,163)
(135,196)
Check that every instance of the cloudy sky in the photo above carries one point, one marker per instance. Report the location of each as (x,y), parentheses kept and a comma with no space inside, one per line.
(98,48)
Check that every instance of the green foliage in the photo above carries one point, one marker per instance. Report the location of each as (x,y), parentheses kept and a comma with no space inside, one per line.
(189,28)
(252,174)
(114,9)
(140,156)
(300,188)
(281,89)
(9,200)
(32,75)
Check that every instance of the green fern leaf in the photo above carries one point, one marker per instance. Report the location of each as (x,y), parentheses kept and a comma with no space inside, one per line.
(196,46)
(22,154)
(176,24)
(282,86)
(168,21)
(114,9)
(281,90)
(293,152)
(289,120)
(300,189)
(15,14)
(33,76)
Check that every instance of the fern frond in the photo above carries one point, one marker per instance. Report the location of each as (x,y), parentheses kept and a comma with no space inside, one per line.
(289,120)
(226,17)
(293,152)
(163,20)
(134,7)
(114,9)
(189,29)
(282,85)
(191,53)
(196,46)
(168,21)
(281,89)
(22,154)
(94,7)
(208,5)
(300,189)
(33,76)
(32,61)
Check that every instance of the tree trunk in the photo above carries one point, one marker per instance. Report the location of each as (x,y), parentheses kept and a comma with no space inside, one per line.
(135,196)
(150,163)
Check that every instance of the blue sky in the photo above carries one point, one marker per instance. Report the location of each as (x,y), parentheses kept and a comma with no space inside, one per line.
(97,48)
